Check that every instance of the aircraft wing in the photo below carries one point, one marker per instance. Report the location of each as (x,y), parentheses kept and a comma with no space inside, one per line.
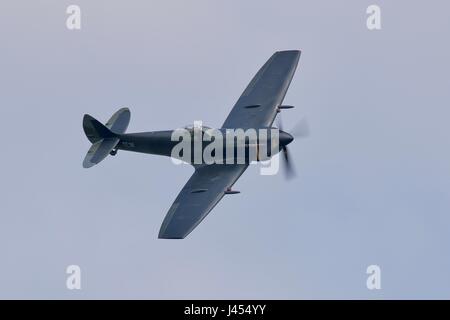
(257,106)
(199,196)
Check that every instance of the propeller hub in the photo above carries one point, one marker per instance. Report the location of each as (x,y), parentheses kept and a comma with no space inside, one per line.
(285,138)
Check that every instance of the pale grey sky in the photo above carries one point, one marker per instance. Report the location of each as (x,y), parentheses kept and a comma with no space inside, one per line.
(373,182)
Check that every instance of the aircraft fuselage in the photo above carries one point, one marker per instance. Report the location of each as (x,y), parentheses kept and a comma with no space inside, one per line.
(164,143)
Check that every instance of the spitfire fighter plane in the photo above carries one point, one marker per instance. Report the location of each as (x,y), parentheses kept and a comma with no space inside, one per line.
(256,108)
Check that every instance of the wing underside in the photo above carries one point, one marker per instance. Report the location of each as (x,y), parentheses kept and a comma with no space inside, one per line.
(257,106)
(199,196)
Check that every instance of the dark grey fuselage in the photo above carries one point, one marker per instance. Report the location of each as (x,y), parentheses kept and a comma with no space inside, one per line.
(162,143)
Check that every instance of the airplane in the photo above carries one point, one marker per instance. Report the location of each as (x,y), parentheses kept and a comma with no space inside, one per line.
(256,108)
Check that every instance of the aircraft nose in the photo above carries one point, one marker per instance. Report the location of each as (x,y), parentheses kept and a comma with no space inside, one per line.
(285,138)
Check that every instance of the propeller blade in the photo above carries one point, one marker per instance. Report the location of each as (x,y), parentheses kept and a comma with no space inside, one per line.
(279,123)
(288,167)
(301,129)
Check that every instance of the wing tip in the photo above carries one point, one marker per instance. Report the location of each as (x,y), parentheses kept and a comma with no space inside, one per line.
(166,233)
(295,51)
(289,54)
(172,237)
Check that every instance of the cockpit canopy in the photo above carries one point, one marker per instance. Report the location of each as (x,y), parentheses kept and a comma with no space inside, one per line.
(191,127)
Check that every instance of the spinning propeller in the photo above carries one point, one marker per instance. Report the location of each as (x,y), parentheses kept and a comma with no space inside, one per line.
(300,130)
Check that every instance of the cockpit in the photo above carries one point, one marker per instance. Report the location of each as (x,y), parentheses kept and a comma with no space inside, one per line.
(191,127)
(204,129)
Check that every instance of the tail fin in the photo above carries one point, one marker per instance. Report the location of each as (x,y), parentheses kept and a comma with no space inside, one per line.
(94,130)
(104,138)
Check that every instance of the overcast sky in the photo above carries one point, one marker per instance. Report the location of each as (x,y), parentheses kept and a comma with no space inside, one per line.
(373,182)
